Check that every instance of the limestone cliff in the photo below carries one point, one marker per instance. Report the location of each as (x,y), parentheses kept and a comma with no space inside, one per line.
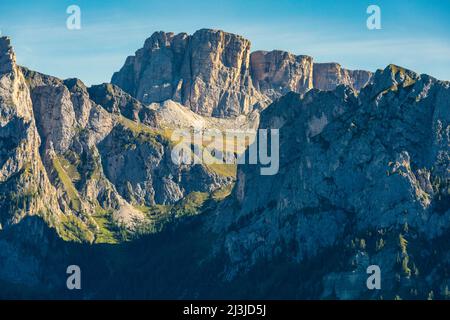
(90,161)
(362,177)
(276,73)
(24,185)
(208,72)
(327,76)
(213,73)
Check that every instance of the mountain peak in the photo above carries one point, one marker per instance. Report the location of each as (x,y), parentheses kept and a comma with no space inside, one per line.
(207,31)
(7,56)
(214,73)
(400,72)
(160,39)
(393,76)
(208,71)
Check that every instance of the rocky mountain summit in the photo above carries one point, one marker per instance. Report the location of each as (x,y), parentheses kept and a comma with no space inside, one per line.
(363,180)
(208,72)
(214,73)
(24,184)
(365,176)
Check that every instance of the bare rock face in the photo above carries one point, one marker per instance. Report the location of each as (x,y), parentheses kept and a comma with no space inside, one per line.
(327,76)
(55,115)
(139,164)
(360,78)
(208,72)
(213,73)
(7,56)
(362,177)
(153,73)
(105,152)
(24,185)
(118,102)
(275,73)
(80,156)
(220,82)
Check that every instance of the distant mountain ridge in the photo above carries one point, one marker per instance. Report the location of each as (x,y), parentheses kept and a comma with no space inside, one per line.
(214,73)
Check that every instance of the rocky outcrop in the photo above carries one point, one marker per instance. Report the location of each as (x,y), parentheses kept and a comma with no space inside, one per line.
(81,156)
(276,73)
(7,56)
(208,72)
(327,76)
(153,73)
(364,176)
(24,185)
(116,101)
(139,164)
(106,152)
(214,74)
(360,78)
(219,67)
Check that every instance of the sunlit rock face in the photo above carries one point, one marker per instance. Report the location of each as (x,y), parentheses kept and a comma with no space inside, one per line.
(358,175)
(214,73)
(275,73)
(327,76)
(24,185)
(208,71)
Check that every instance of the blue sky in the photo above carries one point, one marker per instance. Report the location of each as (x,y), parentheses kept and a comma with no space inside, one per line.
(415,33)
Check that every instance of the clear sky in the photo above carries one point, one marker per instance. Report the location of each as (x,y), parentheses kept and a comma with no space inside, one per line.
(415,33)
